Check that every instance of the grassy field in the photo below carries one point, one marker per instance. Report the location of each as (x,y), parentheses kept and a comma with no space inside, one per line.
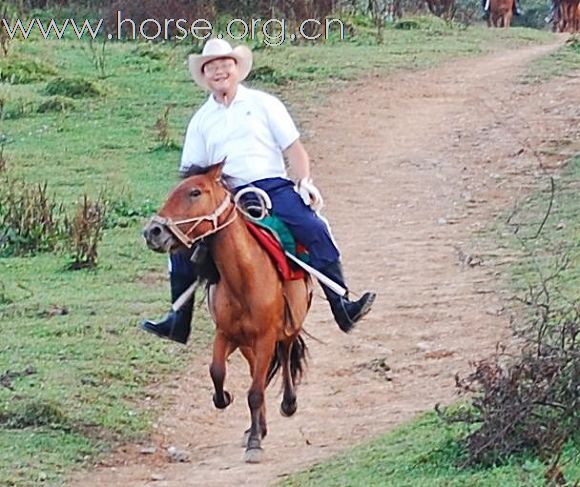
(558,64)
(75,370)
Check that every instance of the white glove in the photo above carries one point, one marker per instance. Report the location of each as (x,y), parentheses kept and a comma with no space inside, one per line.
(310,194)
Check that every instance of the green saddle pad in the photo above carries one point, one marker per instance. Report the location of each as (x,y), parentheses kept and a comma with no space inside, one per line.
(281,230)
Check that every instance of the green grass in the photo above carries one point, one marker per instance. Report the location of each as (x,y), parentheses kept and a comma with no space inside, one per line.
(561,63)
(92,365)
(58,450)
(559,236)
(423,452)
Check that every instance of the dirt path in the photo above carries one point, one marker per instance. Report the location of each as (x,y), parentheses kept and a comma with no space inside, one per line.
(411,166)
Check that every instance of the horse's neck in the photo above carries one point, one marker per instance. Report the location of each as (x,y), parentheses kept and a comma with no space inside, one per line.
(238,256)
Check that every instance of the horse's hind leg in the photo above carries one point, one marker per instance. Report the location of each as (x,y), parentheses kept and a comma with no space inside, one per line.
(507,20)
(288,406)
(222,348)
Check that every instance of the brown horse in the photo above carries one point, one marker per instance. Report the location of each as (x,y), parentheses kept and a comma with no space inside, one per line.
(500,13)
(253,308)
(569,16)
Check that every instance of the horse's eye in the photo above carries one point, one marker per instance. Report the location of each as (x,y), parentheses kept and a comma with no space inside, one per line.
(194,193)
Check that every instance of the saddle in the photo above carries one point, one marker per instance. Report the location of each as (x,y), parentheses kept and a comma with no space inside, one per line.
(275,237)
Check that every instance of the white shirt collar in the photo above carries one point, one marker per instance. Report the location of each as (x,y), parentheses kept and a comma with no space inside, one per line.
(241,94)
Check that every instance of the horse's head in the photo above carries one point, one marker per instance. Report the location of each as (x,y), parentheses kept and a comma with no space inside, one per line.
(199,206)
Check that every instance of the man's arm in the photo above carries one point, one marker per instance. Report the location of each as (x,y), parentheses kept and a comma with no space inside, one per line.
(298,160)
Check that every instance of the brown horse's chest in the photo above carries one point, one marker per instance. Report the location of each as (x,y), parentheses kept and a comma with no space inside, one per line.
(241,320)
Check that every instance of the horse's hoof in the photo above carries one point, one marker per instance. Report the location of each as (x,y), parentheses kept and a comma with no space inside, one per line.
(288,409)
(245,438)
(228,399)
(253,455)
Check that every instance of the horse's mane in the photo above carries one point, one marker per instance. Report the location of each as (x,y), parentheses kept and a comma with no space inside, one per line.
(197,170)
(194,170)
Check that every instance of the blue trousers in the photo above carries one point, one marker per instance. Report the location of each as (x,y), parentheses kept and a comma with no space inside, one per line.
(306,226)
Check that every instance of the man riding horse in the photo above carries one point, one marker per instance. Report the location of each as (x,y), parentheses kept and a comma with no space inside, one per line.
(253,132)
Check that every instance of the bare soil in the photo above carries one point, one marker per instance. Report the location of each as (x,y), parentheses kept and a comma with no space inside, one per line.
(411,166)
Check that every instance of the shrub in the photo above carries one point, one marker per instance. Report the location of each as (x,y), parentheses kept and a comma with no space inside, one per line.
(23,71)
(528,403)
(55,104)
(148,50)
(85,231)
(35,414)
(73,88)
(29,219)
(267,74)
(162,132)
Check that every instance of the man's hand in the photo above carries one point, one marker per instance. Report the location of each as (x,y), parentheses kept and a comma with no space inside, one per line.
(310,194)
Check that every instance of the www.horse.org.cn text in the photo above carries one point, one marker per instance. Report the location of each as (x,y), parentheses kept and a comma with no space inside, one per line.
(272,32)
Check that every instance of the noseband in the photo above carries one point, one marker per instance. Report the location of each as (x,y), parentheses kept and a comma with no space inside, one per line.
(185,238)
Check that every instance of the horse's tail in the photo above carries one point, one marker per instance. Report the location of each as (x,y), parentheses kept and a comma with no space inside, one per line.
(298,360)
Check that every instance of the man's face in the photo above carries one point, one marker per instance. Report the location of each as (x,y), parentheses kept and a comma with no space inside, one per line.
(221,74)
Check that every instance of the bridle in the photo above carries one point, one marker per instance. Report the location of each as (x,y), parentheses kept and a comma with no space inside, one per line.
(185,238)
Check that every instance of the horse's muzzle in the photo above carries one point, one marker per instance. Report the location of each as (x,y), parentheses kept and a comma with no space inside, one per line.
(158,236)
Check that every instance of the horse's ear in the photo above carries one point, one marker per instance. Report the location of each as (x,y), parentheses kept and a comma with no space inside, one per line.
(215,172)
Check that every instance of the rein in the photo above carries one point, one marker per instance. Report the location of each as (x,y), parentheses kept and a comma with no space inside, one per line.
(185,238)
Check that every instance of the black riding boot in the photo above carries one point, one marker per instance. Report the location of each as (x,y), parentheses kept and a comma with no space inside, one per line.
(177,325)
(346,313)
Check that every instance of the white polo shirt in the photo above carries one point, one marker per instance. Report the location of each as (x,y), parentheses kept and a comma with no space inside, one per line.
(250,134)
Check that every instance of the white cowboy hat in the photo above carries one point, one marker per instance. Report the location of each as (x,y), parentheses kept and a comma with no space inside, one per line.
(216,49)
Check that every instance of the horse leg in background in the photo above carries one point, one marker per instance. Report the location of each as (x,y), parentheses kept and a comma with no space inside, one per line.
(574,17)
(288,406)
(265,348)
(507,19)
(222,348)
(248,353)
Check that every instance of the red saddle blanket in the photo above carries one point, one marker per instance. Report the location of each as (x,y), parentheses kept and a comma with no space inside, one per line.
(272,245)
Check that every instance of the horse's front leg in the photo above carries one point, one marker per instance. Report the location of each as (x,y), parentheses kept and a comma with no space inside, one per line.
(222,348)
(250,356)
(264,352)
